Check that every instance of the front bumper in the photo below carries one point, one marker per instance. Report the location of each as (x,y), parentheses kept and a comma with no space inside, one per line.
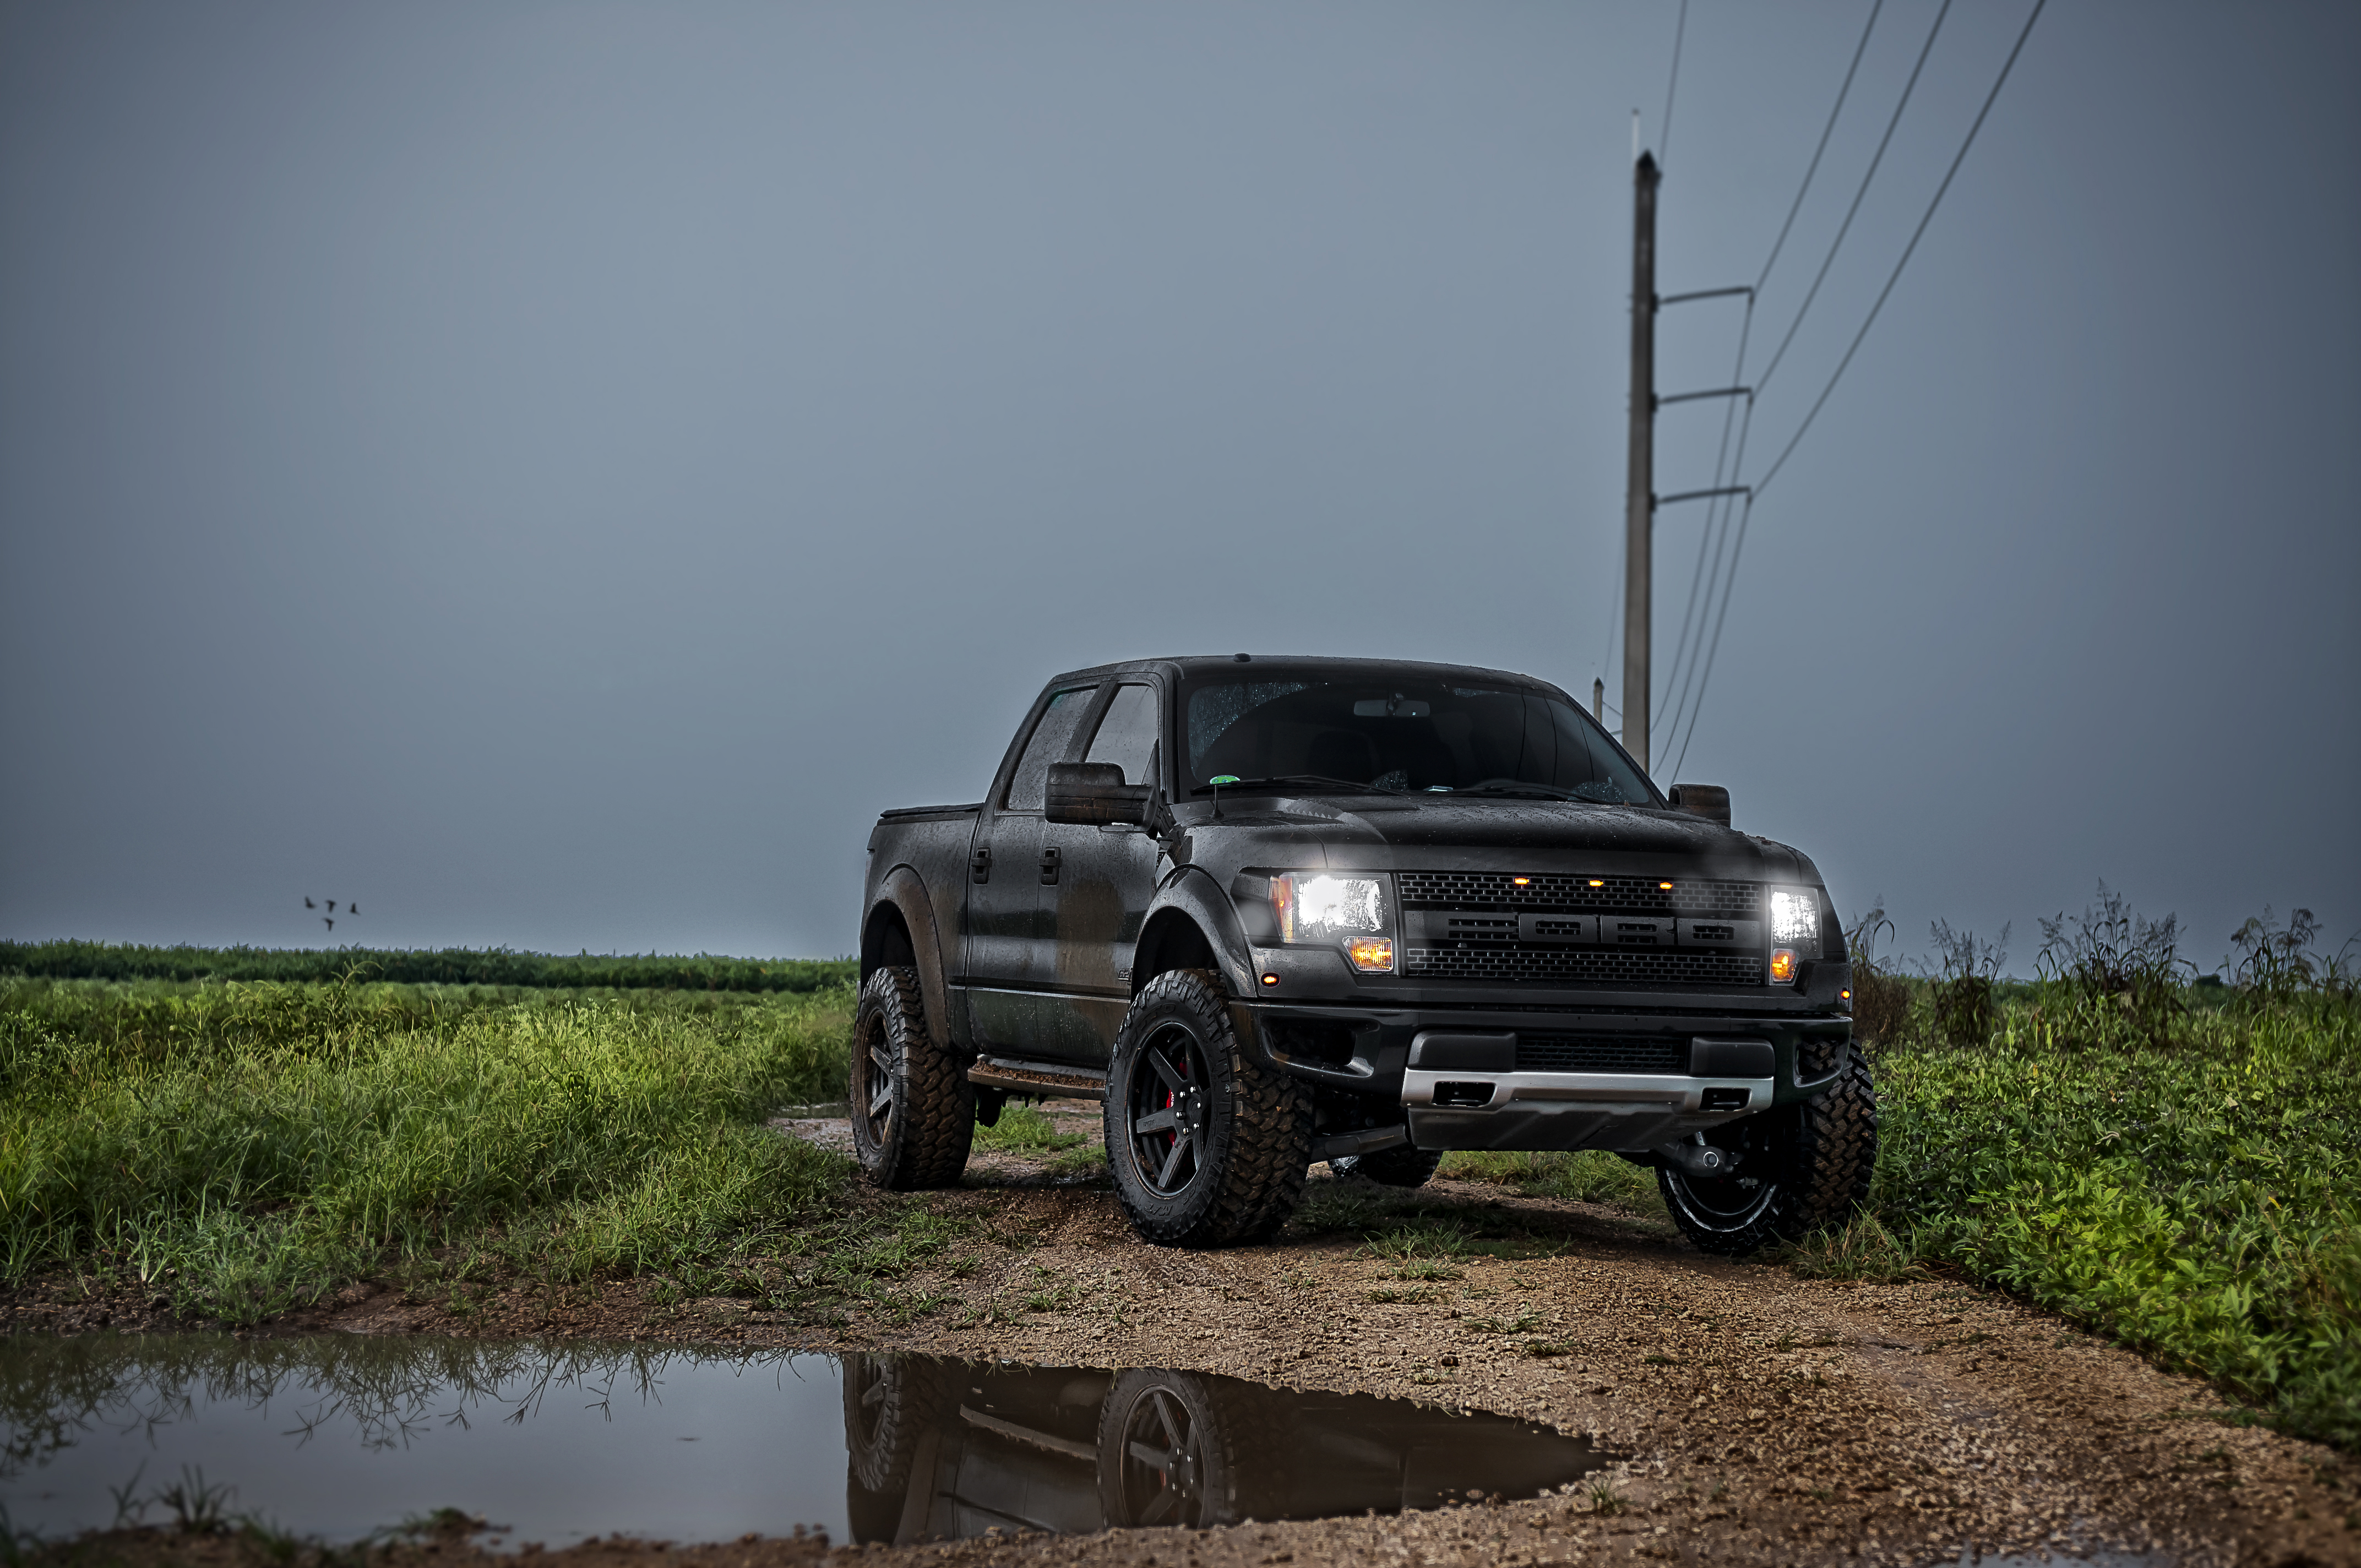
(1368,1051)
(1571,1110)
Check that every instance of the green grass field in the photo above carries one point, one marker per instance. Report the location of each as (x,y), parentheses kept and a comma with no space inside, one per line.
(2181,1181)
(245,1148)
(2193,1193)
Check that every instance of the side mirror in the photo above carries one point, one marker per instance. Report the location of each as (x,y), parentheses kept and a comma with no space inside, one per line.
(1708,801)
(1094,794)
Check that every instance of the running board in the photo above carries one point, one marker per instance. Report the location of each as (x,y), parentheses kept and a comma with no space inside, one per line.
(1048,1078)
(1368,1141)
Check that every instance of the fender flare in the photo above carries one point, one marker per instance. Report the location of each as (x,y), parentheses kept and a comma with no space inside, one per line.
(1193,894)
(905,891)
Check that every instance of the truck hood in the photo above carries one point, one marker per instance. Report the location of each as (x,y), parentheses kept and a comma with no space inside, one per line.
(1443,835)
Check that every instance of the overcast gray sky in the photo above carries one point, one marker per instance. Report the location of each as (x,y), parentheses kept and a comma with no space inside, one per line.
(551,473)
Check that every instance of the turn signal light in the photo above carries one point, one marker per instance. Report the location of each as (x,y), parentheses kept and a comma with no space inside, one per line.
(1371,955)
(1782,965)
(1270,980)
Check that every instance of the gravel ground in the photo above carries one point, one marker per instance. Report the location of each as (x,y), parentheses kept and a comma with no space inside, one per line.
(1767,1417)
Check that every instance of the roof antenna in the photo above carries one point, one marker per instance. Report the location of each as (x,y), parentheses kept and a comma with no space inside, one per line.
(1635,136)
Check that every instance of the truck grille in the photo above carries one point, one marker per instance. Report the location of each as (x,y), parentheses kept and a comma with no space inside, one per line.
(1497,890)
(1575,966)
(1602,1052)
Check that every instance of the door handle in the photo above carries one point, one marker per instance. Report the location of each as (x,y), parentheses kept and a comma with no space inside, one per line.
(979,864)
(1049,857)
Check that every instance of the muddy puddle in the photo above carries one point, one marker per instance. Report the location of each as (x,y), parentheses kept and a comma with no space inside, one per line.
(339,1437)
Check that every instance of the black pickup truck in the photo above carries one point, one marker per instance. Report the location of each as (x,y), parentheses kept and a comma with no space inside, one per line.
(1278,911)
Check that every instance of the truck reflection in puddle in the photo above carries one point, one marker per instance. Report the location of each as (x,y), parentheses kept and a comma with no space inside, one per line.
(939,1450)
(339,1437)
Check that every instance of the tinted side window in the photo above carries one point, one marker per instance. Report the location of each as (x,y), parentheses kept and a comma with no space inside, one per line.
(1050,738)
(1127,734)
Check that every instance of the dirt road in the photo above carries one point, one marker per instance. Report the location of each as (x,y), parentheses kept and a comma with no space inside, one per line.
(1765,1418)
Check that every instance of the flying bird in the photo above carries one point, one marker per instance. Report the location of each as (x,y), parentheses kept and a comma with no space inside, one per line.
(308,904)
(331,924)
(351,908)
(331,906)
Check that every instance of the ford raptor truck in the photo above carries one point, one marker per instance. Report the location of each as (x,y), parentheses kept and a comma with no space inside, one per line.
(1278,911)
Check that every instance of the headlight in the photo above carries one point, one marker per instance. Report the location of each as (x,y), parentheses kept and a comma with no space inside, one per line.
(1796,918)
(1316,909)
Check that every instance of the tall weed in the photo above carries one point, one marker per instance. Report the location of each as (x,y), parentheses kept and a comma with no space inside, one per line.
(1965,987)
(1881,997)
(2109,959)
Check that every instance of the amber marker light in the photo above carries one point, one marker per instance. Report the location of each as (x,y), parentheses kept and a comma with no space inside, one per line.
(1783,965)
(1844,996)
(1596,883)
(1522,881)
(1371,955)
(1665,886)
(1270,980)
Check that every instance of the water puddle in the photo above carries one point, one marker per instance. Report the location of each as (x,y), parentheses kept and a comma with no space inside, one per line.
(337,1437)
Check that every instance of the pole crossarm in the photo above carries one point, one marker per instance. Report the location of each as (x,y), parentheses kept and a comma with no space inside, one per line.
(1717,392)
(1664,300)
(1701,495)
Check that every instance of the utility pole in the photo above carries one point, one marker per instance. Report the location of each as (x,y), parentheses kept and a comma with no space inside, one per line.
(1640,498)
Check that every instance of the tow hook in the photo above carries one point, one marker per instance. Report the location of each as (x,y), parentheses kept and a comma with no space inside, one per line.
(1697,1158)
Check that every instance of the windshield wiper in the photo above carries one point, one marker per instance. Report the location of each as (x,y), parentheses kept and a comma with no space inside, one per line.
(1294,781)
(1529,790)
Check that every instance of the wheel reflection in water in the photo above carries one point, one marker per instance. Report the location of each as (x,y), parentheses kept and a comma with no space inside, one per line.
(1154,1463)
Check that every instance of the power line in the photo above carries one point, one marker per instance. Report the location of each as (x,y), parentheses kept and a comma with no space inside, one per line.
(1760,484)
(1664,137)
(1729,585)
(1868,321)
(1720,506)
(1716,523)
(1837,109)
(1846,227)
(1744,519)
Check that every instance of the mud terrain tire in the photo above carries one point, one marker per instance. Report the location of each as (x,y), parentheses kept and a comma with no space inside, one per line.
(1806,1167)
(913,1110)
(1401,1166)
(1208,1146)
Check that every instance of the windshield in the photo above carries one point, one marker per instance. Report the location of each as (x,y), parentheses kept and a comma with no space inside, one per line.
(1400,734)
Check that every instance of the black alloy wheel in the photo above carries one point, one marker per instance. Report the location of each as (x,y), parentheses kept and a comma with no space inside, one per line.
(913,1110)
(1802,1167)
(873,1084)
(1208,1145)
(1169,1109)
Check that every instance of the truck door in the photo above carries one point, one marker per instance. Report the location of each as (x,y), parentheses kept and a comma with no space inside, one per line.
(1106,877)
(1006,922)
